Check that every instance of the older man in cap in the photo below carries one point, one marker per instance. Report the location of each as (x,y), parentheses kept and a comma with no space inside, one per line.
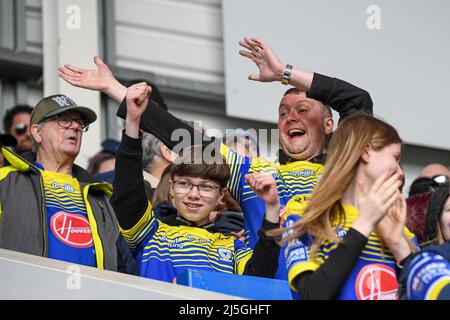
(51,207)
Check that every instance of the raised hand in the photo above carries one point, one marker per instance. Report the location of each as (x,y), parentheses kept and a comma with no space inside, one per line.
(137,99)
(265,186)
(101,79)
(270,67)
(391,229)
(374,204)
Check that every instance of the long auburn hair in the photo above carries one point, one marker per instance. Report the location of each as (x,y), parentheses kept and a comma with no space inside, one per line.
(348,143)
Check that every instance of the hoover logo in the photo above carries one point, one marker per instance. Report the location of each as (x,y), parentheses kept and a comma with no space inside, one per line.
(376,282)
(71,229)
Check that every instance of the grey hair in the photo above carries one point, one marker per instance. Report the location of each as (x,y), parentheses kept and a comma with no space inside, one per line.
(151,151)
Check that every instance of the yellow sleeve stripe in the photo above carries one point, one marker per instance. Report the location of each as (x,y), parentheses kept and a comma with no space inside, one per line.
(140,225)
(299,268)
(224,150)
(234,161)
(242,262)
(435,290)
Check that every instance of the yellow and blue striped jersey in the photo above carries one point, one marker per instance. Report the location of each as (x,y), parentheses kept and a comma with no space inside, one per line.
(296,178)
(69,231)
(293,178)
(163,252)
(374,277)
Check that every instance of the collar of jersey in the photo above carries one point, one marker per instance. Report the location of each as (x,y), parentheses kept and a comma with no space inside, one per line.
(41,167)
(351,213)
(175,221)
(283,158)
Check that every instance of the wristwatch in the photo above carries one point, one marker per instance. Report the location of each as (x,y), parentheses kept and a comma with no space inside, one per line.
(287,74)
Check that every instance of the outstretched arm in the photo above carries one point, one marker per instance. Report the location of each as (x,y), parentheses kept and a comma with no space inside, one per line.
(340,95)
(129,199)
(100,79)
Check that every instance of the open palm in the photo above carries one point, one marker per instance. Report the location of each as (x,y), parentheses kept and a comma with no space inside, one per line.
(95,79)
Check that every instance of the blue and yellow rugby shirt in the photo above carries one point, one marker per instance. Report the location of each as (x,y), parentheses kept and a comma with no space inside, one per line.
(374,276)
(427,277)
(69,232)
(296,178)
(163,252)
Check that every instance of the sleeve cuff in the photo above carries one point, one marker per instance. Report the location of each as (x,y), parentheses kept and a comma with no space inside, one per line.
(299,268)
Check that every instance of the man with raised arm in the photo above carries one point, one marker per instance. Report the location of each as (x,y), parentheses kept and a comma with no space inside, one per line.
(305,121)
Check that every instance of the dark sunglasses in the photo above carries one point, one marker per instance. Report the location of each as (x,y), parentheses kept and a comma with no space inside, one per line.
(20,128)
(425,184)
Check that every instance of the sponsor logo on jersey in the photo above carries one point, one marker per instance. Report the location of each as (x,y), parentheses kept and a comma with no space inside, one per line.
(71,229)
(66,187)
(303,173)
(340,232)
(376,282)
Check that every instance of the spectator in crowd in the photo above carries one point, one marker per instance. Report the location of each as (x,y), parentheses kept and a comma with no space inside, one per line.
(417,210)
(420,194)
(196,188)
(6,140)
(155,160)
(435,169)
(426,276)
(101,165)
(17,123)
(429,179)
(50,206)
(162,192)
(304,122)
(348,241)
(243,142)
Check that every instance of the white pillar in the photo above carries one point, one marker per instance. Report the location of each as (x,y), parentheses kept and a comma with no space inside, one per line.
(71,35)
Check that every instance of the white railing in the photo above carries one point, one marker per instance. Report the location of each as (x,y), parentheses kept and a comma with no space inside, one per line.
(24,276)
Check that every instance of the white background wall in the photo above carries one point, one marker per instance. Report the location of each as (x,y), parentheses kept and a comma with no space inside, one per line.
(181,43)
(404,63)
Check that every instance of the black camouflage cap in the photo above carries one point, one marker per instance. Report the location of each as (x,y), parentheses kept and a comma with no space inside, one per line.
(56,104)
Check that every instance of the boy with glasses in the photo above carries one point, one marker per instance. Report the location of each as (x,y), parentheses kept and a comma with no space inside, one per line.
(197,184)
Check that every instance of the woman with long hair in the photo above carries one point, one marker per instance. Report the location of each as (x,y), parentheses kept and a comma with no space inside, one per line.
(350,238)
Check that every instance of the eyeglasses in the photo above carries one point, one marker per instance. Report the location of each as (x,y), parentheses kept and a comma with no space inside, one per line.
(66,122)
(20,128)
(204,190)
